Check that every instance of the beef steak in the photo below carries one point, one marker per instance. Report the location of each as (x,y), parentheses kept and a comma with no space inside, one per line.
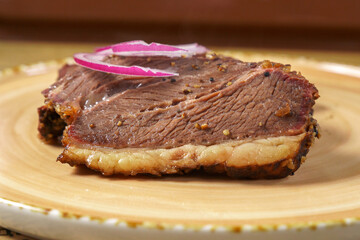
(250,120)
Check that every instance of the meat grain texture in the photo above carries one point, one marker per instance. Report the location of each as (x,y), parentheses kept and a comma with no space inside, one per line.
(248,120)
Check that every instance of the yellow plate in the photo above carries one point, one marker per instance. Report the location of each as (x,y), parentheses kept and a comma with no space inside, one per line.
(44,198)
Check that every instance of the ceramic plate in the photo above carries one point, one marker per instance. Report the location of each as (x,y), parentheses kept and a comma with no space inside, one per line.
(46,199)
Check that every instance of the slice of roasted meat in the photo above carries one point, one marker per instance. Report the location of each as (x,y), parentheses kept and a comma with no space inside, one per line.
(248,120)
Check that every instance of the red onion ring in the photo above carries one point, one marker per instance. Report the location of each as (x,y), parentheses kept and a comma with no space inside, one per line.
(141,48)
(136,48)
(95,61)
(99,49)
(193,48)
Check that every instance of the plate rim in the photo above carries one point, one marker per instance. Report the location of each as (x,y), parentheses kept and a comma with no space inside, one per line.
(62,215)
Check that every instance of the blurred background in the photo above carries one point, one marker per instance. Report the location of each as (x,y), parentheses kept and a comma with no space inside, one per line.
(58,28)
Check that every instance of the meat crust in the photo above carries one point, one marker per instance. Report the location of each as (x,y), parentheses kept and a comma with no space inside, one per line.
(275,157)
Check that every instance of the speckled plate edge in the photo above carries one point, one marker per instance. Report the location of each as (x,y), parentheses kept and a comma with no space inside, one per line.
(14,208)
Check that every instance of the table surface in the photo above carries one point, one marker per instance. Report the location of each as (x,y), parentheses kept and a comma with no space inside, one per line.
(16,53)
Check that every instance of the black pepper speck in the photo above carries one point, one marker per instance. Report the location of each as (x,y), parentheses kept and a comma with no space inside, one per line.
(253,64)
(266,74)
(196,67)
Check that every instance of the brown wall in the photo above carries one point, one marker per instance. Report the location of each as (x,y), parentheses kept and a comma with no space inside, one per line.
(324,24)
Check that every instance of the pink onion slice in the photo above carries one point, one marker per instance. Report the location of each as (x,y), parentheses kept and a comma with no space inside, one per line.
(100,49)
(141,48)
(138,46)
(194,48)
(95,61)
